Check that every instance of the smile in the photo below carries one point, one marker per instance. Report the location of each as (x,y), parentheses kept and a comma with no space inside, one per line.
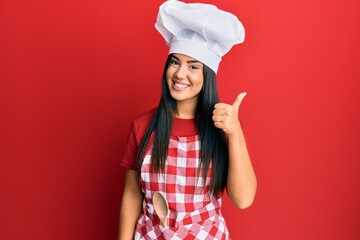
(180,86)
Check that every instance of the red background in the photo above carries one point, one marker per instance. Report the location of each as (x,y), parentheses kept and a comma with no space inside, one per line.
(74,73)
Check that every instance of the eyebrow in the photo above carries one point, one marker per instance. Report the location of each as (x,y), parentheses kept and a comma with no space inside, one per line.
(189,61)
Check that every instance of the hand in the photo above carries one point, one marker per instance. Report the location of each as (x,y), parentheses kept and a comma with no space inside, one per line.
(225,116)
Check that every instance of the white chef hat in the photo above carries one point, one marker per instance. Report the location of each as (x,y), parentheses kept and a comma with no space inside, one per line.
(201,31)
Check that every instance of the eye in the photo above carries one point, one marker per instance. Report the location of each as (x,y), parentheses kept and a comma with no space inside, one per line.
(194,67)
(174,62)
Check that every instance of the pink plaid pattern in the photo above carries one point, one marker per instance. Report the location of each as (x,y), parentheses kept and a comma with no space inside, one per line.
(194,212)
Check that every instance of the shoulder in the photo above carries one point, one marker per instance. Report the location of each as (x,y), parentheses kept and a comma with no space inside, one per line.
(144,118)
(141,123)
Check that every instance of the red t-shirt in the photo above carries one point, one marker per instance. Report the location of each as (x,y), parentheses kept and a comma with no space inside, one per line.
(181,128)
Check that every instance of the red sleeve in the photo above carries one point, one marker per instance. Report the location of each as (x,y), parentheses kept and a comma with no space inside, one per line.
(138,129)
(129,158)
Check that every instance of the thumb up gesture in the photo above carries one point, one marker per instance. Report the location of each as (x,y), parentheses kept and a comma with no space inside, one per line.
(225,116)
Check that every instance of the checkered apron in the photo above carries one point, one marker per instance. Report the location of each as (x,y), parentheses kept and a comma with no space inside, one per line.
(193,212)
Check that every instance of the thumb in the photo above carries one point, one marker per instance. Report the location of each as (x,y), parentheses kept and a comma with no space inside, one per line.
(238,100)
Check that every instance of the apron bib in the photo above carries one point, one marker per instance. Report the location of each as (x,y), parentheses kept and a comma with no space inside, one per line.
(193,212)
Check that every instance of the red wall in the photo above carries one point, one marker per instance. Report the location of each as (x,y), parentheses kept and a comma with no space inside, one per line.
(74,73)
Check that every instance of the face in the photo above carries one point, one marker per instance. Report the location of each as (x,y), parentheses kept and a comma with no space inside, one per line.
(184,78)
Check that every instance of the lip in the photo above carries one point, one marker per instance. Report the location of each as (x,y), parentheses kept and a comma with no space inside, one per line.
(179,86)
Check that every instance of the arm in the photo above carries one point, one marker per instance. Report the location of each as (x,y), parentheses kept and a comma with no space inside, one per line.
(131,206)
(241,180)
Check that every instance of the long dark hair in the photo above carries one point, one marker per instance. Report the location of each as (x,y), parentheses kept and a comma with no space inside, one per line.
(213,143)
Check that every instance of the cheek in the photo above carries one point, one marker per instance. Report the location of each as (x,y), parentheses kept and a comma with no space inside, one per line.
(200,82)
(168,81)
(200,87)
(168,75)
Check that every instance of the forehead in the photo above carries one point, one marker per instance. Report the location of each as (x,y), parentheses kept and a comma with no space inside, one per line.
(184,57)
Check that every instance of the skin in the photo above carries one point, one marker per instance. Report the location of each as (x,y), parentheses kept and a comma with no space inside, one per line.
(131,206)
(241,180)
(185,78)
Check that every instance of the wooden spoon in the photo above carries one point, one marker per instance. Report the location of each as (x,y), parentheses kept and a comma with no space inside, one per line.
(161,207)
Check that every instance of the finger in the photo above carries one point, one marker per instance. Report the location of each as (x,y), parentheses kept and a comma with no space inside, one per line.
(224,112)
(219,125)
(220,111)
(238,100)
(221,106)
(218,118)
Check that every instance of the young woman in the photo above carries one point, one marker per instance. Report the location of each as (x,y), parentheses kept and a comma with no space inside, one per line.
(191,147)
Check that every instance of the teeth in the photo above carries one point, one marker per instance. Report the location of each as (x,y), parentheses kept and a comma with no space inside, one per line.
(179,85)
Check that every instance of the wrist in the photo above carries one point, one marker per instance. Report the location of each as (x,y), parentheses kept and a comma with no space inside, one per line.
(236,133)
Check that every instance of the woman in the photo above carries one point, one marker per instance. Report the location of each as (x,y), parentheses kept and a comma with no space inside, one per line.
(190,148)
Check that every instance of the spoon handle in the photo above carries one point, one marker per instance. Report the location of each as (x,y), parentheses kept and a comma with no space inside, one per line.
(163,222)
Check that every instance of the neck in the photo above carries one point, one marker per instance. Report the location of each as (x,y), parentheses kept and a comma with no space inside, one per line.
(185,110)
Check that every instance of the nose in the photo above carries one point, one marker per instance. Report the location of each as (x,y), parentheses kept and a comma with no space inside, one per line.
(181,72)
